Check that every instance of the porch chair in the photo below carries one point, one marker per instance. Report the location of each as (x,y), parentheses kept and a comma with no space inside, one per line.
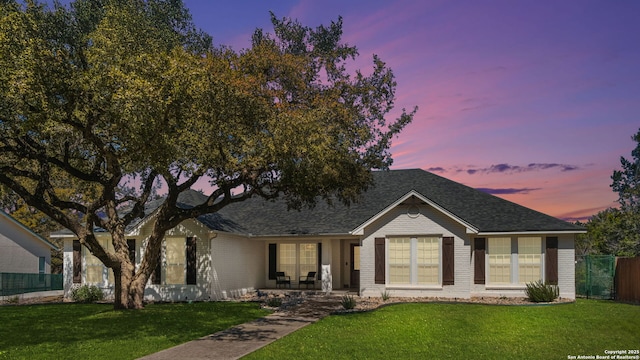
(310,279)
(282,279)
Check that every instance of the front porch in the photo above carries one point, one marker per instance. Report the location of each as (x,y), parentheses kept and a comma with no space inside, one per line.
(303,292)
(335,262)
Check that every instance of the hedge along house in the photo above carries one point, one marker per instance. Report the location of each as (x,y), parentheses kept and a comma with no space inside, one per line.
(412,233)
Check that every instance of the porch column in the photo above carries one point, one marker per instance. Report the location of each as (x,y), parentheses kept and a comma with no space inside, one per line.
(326,278)
(327,283)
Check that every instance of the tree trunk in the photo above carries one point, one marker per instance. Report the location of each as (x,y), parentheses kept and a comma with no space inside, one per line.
(131,283)
(126,295)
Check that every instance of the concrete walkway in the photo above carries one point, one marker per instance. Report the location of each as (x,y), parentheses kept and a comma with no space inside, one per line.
(246,338)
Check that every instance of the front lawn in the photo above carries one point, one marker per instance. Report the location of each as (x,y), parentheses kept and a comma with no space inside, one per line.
(466,331)
(96,331)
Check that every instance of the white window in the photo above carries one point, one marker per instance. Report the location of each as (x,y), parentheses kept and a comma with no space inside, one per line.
(95,267)
(414,260)
(529,259)
(499,260)
(297,259)
(176,261)
(521,265)
(428,260)
(287,260)
(399,261)
(308,258)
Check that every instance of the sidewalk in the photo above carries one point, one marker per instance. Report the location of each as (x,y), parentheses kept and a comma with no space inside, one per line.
(246,338)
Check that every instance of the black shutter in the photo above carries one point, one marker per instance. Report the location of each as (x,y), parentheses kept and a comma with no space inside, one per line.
(192,261)
(379,261)
(447,261)
(156,276)
(319,275)
(131,244)
(77,262)
(478,259)
(551,260)
(272,261)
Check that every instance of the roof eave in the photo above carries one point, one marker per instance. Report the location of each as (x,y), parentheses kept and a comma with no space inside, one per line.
(536,232)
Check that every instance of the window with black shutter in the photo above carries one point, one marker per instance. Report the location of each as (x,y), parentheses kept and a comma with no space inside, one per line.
(192,261)
(551,260)
(379,261)
(447,261)
(77,262)
(478,260)
(131,244)
(272,261)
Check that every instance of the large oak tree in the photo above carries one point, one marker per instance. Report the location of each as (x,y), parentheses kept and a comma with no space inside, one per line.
(113,97)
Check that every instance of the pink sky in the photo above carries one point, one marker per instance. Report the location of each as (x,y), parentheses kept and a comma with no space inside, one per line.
(534,101)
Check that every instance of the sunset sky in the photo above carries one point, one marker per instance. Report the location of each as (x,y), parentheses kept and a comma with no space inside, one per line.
(533,101)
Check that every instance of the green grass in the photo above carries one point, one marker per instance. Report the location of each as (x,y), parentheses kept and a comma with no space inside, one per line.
(96,331)
(465,331)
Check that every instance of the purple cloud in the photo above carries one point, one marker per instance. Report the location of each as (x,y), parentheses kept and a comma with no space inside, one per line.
(437,169)
(507,191)
(562,167)
(506,168)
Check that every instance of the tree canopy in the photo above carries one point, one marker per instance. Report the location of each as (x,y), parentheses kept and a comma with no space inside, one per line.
(111,98)
(616,231)
(626,182)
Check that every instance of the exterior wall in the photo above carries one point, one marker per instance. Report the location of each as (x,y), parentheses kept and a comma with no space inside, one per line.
(566,272)
(336,262)
(67,267)
(238,266)
(428,222)
(567,266)
(20,250)
(153,292)
(171,292)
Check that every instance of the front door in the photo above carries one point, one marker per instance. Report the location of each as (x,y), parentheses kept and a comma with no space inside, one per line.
(355,266)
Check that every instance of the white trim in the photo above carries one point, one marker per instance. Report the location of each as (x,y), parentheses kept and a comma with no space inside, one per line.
(292,236)
(136,229)
(506,287)
(538,232)
(413,287)
(63,236)
(360,229)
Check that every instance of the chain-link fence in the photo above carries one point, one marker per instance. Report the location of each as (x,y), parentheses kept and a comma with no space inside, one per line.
(595,276)
(14,283)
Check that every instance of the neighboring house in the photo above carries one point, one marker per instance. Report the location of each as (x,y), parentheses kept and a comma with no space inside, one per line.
(22,250)
(411,234)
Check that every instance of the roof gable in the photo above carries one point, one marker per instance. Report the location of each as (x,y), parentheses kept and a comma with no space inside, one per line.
(360,229)
(6,217)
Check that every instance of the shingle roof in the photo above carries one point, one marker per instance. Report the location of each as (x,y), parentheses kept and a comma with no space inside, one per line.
(485,212)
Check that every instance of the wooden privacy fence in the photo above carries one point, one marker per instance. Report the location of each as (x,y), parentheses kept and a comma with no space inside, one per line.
(627,279)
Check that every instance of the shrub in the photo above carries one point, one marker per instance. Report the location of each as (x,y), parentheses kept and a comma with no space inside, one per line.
(87,294)
(385,295)
(274,302)
(538,291)
(348,302)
